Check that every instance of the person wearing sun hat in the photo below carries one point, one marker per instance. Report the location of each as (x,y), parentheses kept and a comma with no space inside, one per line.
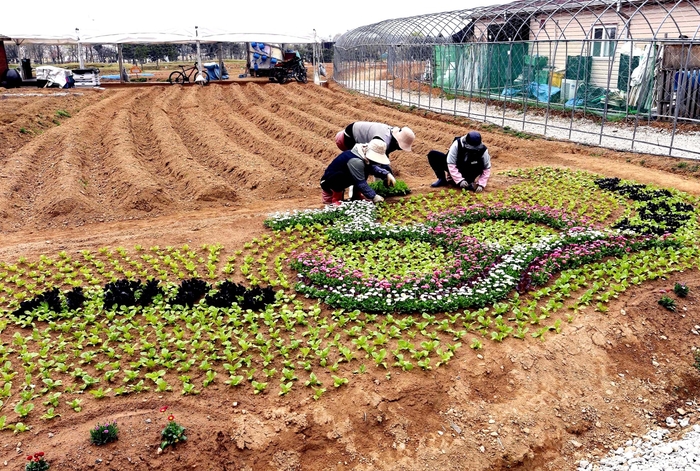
(395,138)
(352,167)
(466,165)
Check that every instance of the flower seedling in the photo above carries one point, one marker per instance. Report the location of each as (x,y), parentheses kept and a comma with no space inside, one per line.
(668,302)
(75,405)
(286,387)
(36,462)
(23,409)
(50,414)
(258,387)
(338,381)
(103,434)
(681,289)
(173,433)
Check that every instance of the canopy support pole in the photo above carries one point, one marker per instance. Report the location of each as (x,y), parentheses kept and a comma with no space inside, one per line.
(81,64)
(199,78)
(221,61)
(121,63)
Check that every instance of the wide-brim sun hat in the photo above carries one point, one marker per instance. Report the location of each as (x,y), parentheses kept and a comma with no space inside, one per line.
(405,137)
(376,152)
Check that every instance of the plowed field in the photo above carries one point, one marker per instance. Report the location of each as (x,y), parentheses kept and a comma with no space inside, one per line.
(171,165)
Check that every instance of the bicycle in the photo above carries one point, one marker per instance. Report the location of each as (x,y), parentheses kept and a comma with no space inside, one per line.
(187,74)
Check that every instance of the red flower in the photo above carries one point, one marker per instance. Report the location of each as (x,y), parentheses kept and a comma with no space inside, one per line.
(30,457)
(41,453)
(164,408)
(171,417)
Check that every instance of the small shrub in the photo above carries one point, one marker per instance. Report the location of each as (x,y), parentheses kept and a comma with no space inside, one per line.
(172,433)
(681,289)
(62,114)
(696,355)
(37,462)
(668,303)
(103,434)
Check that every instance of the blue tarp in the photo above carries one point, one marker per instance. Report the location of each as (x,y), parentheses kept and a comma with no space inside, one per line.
(574,102)
(213,71)
(543,92)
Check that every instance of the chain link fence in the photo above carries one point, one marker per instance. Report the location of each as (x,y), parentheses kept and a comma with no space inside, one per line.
(617,74)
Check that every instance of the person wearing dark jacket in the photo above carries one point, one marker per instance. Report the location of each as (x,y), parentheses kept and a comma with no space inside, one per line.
(352,167)
(467,163)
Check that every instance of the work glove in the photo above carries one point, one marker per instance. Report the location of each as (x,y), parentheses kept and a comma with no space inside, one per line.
(377,199)
(464,184)
(479,189)
(390,180)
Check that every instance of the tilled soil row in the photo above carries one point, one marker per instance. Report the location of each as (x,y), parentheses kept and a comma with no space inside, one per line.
(24,117)
(183,177)
(49,174)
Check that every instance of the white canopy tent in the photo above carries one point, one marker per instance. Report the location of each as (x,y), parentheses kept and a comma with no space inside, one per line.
(30,38)
(204,35)
(197,37)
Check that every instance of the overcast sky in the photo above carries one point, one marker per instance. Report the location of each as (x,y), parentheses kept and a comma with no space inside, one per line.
(328,18)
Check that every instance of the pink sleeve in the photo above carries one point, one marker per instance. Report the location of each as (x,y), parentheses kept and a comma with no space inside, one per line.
(454,173)
(484,178)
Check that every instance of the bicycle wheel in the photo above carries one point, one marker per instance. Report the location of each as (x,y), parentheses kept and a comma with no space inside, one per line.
(177,77)
(205,76)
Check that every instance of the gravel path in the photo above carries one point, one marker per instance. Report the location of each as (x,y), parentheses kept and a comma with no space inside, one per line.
(618,136)
(655,451)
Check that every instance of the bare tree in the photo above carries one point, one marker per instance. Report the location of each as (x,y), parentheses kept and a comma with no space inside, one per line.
(12,52)
(57,54)
(36,53)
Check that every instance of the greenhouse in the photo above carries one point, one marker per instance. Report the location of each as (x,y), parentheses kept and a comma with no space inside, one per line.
(622,74)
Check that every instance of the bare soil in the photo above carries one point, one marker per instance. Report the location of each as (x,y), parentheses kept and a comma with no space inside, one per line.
(173,165)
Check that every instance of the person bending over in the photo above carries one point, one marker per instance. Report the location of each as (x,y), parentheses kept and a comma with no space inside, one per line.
(361,132)
(352,167)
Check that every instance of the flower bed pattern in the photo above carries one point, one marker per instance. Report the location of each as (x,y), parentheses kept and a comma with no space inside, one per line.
(481,273)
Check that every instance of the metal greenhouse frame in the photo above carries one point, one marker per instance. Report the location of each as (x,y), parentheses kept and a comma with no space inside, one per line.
(622,74)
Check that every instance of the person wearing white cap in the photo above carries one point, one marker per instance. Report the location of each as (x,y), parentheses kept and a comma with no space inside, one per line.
(361,132)
(467,163)
(352,167)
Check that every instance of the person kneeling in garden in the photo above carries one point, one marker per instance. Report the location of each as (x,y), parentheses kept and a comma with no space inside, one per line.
(352,167)
(467,163)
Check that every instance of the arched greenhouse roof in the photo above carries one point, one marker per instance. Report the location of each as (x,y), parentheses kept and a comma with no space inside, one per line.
(538,20)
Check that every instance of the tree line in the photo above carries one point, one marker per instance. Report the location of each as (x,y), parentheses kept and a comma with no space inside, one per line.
(141,53)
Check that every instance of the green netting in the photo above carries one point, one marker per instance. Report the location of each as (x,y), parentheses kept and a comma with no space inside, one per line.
(445,67)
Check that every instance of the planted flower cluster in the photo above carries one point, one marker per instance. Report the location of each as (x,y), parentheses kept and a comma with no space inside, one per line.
(128,293)
(477,275)
(37,462)
(658,210)
(104,433)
